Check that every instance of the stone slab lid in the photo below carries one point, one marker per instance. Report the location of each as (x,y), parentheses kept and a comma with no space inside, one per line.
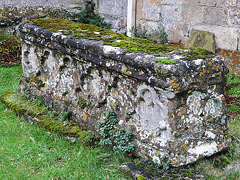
(177,70)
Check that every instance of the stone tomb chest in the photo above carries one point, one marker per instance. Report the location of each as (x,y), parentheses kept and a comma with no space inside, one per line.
(171,99)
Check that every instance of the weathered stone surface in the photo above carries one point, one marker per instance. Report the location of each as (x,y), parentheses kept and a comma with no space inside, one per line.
(175,110)
(201,39)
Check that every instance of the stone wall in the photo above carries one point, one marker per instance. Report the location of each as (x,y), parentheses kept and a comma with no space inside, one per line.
(180,17)
(173,110)
(114,11)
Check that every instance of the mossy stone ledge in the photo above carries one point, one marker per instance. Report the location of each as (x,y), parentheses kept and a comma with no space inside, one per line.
(171,99)
(43,117)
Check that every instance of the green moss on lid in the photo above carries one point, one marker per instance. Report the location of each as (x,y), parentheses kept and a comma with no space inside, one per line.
(167,61)
(198,53)
(92,32)
(138,45)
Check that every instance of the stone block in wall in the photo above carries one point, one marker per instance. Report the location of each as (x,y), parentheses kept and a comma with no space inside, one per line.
(193,14)
(170,2)
(214,15)
(113,7)
(199,2)
(115,12)
(220,3)
(233,16)
(147,10)
(225,37)
(173,110)
(231,3)
(149,26)
(175,12)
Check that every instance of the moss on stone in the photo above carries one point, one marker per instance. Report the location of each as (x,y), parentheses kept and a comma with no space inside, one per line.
(138,45)
(140,177)
(65,93)
(167,61)
(17,103)
(83,103)
(92,32)
(198,53)
(41,116)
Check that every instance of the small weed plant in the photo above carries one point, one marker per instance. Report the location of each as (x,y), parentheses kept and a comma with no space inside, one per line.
(158,36)
(88,16)
(119,140)
(164,164)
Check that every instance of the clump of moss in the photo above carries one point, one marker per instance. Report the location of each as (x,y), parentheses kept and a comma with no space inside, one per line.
(83,103)
(74,29)
(16,103)
(140,177)
(221,162)
(141,45)
(198,53)
(65,93)
(167,61)
(92,32)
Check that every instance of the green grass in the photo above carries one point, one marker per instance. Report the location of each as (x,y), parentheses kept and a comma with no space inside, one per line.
(29,152)
(234,86)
